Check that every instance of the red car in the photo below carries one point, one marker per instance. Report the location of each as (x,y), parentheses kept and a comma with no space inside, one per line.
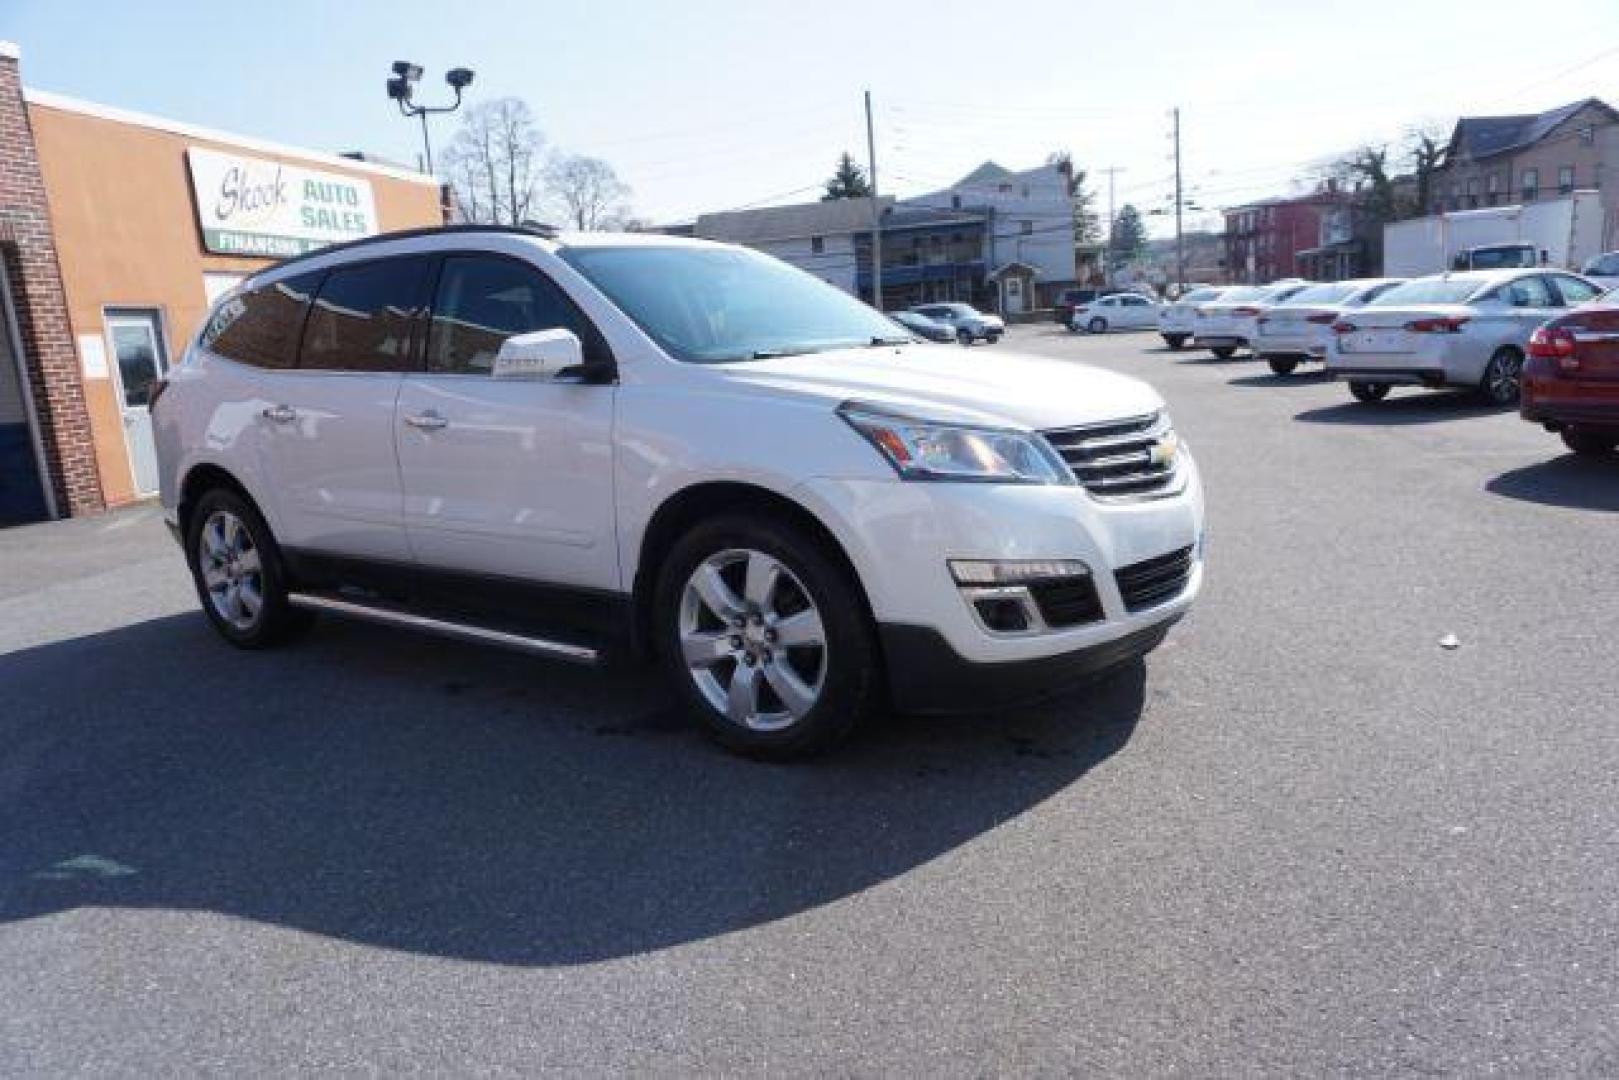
(1571,379)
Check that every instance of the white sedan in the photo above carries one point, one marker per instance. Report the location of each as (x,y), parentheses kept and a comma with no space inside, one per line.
(1225,325)
(1467,329)
(1120,311)
(1300,329)
(1177,321)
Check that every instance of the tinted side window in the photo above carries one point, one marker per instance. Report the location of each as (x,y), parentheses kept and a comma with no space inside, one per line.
(261,327)
(483,300)
(1575,291)
(363,317)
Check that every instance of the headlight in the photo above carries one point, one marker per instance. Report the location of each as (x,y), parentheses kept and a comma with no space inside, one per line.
(926,450)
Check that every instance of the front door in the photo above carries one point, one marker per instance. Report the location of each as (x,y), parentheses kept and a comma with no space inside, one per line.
(508,477)
(137,347)
(1014,294)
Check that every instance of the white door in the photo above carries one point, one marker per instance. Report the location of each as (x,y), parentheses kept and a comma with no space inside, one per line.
(326,442)
(511,478)
(1013,287)
(136,338)
(1139,312)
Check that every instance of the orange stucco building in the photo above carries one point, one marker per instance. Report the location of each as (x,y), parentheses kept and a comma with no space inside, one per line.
(116,232)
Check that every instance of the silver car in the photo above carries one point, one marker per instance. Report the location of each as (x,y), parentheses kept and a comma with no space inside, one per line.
(1467,329)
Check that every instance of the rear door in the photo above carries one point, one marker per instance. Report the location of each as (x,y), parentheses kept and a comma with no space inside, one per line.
(506,477)
(327,445)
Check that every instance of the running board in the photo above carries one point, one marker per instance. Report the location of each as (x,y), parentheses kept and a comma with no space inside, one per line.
(483,635)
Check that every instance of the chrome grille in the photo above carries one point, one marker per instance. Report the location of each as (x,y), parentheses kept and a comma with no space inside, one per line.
(1115,460)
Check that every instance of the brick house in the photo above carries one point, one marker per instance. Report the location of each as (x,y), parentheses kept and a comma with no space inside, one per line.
(1263,240)
(116,233)
(1501,160)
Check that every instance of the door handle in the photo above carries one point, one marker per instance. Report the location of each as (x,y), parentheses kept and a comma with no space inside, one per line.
(280,414)
(427,421)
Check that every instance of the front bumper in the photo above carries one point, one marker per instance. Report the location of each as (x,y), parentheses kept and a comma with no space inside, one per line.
(926,675)
(901,537)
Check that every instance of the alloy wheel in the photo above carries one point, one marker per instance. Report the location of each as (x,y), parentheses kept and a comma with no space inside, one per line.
(752,639)
(231,569)
(1501,381)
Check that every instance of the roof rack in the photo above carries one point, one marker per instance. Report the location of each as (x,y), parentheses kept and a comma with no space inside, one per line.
(545,232)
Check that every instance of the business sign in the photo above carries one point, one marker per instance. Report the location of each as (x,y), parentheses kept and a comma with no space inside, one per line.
(263,208)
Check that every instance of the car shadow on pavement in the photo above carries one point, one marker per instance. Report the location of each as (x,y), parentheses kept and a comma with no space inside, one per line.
(1298,378)
(1572,481)
(1425,407)
(421,795)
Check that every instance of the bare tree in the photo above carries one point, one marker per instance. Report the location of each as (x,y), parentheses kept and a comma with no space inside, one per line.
(1425,145)
(588,191)
(495,162)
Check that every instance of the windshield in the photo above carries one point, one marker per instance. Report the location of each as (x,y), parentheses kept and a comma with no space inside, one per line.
(1324,294)
(1503,258)
(1435,290)
(709,305)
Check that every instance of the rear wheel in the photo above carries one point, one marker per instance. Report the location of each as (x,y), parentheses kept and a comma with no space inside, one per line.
(767,637)
(1369,392)
(1174,341)
(1224,352)
(1098,325)
(1502,376)
(1594,443)
(237,569)
(1283,365)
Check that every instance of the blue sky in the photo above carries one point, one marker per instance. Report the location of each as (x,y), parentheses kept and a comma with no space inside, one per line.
(705,105)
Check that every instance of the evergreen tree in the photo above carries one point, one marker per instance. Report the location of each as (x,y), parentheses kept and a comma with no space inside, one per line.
(848,181)
(1129,241)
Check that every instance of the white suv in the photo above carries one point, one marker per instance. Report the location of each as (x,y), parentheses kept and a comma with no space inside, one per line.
(676,449)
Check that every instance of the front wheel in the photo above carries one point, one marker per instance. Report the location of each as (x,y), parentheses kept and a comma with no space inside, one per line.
(1097,325)
(1282,365)
(767,637)
(965,337)
(1586,442)
(1174,341)
(236,567)
(1369,392)
(1502,376)
(1223,352)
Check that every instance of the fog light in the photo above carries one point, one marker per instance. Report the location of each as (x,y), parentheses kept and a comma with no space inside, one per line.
(992,572)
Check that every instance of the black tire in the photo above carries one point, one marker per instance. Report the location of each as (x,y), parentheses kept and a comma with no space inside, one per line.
(850,686)
(964,337)
(1097,325)
(1589,442)
(1282,365)
(1369,392)
(1174,341)
(1503,377)
(1224,352)
(276,620)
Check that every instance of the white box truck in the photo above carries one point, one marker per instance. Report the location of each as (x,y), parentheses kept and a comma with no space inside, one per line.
(1562,232)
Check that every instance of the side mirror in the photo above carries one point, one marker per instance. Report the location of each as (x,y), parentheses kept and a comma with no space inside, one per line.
(538,355)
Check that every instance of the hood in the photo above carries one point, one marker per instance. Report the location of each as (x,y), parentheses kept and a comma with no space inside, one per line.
(1007,389)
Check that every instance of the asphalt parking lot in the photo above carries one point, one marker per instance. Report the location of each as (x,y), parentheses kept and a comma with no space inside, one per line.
(1303,837)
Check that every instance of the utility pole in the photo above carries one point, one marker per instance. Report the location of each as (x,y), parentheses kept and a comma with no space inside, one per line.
(1180,244)
(1112,219)
(876,214)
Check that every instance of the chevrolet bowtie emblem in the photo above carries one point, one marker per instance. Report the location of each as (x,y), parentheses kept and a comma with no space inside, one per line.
(1162,453)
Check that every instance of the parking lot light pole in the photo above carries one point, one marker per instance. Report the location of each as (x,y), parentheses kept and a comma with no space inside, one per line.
(401,88)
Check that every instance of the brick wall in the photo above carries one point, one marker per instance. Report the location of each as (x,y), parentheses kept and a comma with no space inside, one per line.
(42,317)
